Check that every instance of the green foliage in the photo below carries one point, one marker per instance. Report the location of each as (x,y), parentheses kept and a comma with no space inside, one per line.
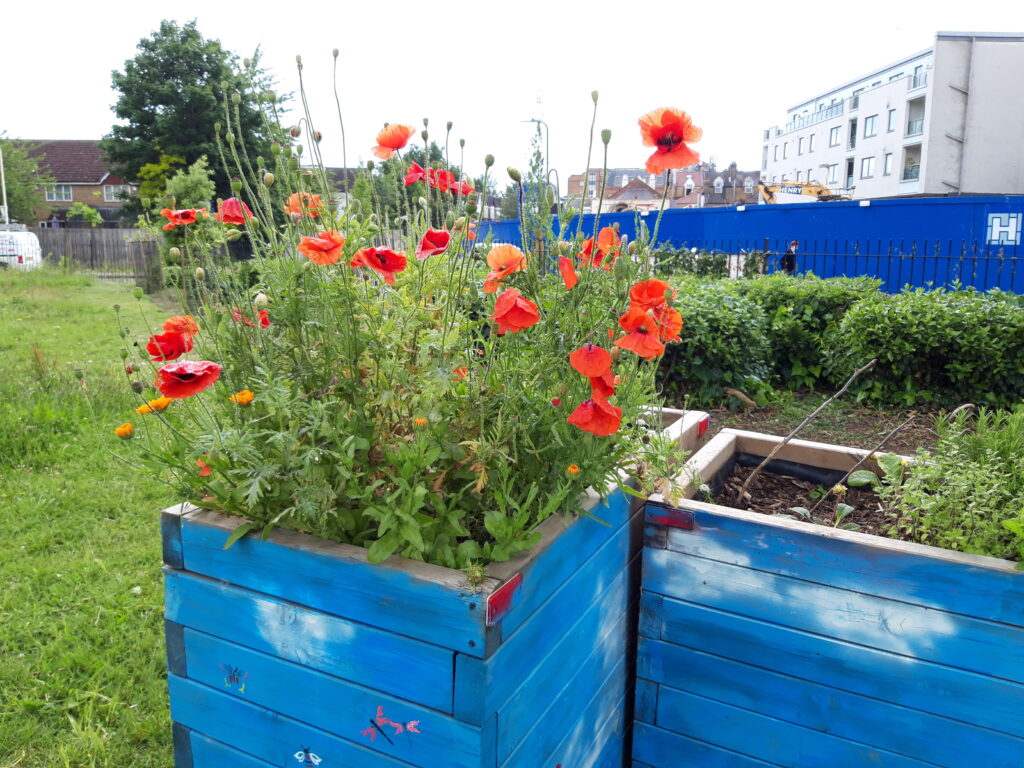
(936,347)
(25,176)
(724,344)
(88,214)
(690,261)
(192,187)
(171,98)
(968,493)
(802,312)
(508,207)
(153,178)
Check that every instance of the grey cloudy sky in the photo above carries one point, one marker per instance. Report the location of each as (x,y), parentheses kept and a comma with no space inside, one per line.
(487,66)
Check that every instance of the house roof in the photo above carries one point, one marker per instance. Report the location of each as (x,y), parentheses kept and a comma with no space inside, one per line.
(636,189)
(73,161)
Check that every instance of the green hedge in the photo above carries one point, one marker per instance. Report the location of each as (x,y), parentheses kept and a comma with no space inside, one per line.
(724,344)
(802,312)
(933,347)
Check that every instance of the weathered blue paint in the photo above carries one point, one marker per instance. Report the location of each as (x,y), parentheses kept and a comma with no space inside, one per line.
(170,537)
(207,753)
(347,649)
(768,641)
(182,740)
(337,706)
(174,637)
(337,579)
(600,747)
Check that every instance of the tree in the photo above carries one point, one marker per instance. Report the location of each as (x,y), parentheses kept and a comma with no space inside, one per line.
(508,208)
(171,100)
(25,176)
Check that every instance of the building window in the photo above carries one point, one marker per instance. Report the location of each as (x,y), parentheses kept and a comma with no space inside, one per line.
(810,173)
(764,157)
(867,167)
(775,154)
(833,173)
(887,171)
(785,150)
(834,136)
(800,146)
(810,143)
(892,121)
(748,185)
(869,126)
(798,175)
(783,177)
(116,193)
(719,184)
(58,193)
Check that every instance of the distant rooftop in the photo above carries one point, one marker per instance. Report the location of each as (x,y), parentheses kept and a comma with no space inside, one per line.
(73,161)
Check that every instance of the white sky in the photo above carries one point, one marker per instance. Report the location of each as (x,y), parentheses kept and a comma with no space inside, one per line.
(734,66)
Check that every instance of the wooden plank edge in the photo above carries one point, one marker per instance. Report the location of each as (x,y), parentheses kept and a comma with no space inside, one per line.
(181,739)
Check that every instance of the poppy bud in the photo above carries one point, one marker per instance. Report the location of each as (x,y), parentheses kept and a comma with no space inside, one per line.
(593,95)
(200,273)
(287,150)
(298,150)
(514,174)
(449,125)
(556,401)
(246,63)
(422,201)
(298,60)
(426,122)
(462,143)
(295,131)
(616,354)
(230,137)
(621,269)
(293,163)
(236,99)
(631,248)
(460,222)
(175,253)
(233,235)
(335,53)
(216,127)
(317,136)
(268,179)
(669,296)
(471,207)
(423,135)
(137,387)
(488,161)
(124,331)
(606,136)
(449,220)
(568,213)
(79,374)
(137,293)
(270,96)
(236,184)
(260,301)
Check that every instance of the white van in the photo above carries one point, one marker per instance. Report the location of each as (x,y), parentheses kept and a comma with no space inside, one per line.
(19,250)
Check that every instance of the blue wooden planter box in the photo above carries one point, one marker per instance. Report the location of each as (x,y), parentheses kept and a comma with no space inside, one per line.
(768,641)
(296,651)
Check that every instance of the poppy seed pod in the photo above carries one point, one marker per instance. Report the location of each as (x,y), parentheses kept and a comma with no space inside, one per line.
(287,150)
(606,136)
(426,122)
(233,235)
(137,387)
(488,161)
(514,174)
(471,207)
(246,63)
(175,252)
(593,95)
(216,127)
(200,273)
(298,60)
(268,179)
(230,137)
(449,125)
(236,184)
(462,143)
(124,356)
(369,165)
(236,99)
(270,96)
(423,135)
(293,163)
(335,53)
(298,150)
(275,148)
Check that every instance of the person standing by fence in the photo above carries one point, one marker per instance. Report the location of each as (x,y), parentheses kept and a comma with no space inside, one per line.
(789,258)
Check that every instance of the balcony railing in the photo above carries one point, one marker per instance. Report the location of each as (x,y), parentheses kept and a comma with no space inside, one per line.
(822,114)
(911,173)
(918,81)
(852,144)
(915,127)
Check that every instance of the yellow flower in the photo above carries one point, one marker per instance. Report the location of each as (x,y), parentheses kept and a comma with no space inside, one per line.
(125,430)
(419,421)
(572,469)
(245,397)
(839,489)
(143,409)
(160,403)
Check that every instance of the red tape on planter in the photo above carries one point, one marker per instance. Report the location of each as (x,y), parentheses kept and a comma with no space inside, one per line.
(500,600)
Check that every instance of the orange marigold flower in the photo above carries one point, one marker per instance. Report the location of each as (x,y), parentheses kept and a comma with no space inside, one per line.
(392,138)
(642,334)
(303,204)
(125,430)
(568,272)
(572,469)
(324,249)
(204,468)
(245,397)
(142,410)
(649,294)
(160,403)
(597,416)
(419,421)
(513,312)
(503,261)
(382,260)
(669,130)
(183,324)
(460,373)
(591,360)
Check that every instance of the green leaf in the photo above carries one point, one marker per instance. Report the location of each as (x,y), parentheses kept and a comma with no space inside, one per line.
(861,478)
(238,533)
(384,547)
(802,511)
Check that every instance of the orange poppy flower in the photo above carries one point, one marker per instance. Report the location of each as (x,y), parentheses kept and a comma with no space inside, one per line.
(670,323)
(391,139)
(301,204)
(383,260)
(434,241)
(461,225)
(597,416)
(648,294)
(642,334)
(460,373)
(591,360)
(513,312)
(503,261)
(568,271)
(183,324)
(607,249)
(669,130)
(323,249)
(204,468)
(181,217)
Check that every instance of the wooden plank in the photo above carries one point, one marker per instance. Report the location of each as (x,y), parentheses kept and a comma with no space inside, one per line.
(765,738)
(650,616)
(327,643)
(567,718)
(991,589)
(174,640)
(419,600)
(181,740)
(824,455)
(170,536)
(586,653)
(566,545)
(952,693)
(910,630)
(880,724)
(208,753)
(658,748)
(600,747)
(262,733)
(704,464)
(482,686)
(415,734)
(645,704)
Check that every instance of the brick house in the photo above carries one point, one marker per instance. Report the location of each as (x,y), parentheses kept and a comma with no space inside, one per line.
(81,174)
(699,186)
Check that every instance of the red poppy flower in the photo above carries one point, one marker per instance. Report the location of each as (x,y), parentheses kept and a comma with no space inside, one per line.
(591,360)
(503,261)
(391,139)
(183,324)
(669,130)
(383,260)
(569,277)
(648,294)
(442,180)
(233,211)
(323,249)
(168,346)
(670,323)
(302,204)
(181,217)
(607,249)
(262,317)
(603,385)
(642,334)
(597,416)
(464,188)
(434,241)
(414,174)
(513,312)
(204,468)
(187,378)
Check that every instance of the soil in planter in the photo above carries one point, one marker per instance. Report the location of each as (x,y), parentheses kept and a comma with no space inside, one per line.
(773,494)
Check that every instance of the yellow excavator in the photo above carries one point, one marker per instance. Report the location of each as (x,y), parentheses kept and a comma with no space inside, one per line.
(819,192)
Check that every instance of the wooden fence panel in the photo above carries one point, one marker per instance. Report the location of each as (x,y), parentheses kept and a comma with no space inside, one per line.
(125,255)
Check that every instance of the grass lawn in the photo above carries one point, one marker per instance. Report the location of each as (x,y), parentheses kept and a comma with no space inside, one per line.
(82,678)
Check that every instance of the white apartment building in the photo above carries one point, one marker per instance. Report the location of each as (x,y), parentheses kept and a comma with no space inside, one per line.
(947,120)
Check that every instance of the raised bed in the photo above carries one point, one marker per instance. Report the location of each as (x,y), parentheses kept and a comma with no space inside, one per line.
(770,641)
(296,651)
